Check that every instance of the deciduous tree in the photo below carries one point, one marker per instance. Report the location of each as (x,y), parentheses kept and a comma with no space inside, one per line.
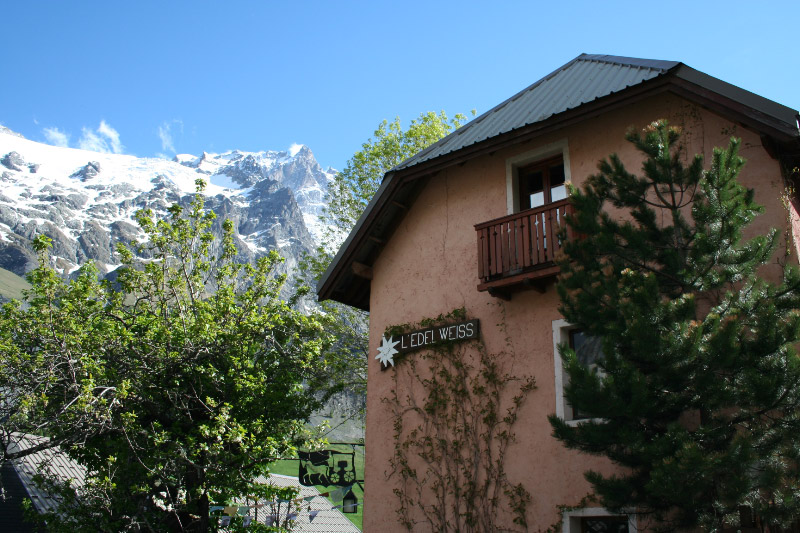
(353,187)
(175,386)
(348,196)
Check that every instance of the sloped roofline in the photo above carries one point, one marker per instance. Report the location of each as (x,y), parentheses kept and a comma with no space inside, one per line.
(661,66)
(401,184)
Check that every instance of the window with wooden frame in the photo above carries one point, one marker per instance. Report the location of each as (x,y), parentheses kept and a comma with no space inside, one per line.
(541,183)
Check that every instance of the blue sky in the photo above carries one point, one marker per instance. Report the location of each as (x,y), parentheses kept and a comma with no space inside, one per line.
(167,77)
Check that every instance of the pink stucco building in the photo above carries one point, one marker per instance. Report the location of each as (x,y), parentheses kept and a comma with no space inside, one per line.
(428,244)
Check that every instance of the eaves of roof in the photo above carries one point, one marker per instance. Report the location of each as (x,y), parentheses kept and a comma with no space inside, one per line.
(611,82)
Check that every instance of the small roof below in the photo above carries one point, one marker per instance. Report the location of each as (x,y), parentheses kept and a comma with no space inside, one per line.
(327,519)
(50,460)
(60,466)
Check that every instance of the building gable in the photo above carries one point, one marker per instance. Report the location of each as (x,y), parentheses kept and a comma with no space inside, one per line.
(585,87)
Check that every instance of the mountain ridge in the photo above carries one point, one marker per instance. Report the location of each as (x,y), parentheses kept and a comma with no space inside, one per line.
(86,201)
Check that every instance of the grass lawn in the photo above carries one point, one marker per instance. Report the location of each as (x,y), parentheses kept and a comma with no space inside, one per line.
(11,285)
(289,467)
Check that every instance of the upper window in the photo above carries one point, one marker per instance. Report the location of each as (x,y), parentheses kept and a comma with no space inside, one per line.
(542,183)
(537,177)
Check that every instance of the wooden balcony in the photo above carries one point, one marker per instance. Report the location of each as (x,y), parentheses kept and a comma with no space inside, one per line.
(517,252)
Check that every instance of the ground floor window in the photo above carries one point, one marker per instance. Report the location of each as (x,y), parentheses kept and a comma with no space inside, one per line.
(597,520)
(604,524)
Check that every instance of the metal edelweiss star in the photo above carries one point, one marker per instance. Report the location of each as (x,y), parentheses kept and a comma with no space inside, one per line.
(386,351)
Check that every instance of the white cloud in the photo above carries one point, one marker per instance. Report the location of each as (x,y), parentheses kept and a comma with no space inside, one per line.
(112,135)
(294,148)
(103,139)
(91,141)
(166,136)
(56,137)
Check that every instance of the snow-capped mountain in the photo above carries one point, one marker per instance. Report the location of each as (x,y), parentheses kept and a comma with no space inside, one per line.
(85,201)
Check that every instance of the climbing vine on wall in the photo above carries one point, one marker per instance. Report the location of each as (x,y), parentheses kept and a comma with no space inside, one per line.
(454,409)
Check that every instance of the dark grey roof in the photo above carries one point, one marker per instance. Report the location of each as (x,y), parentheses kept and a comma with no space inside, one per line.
(11,502)
(585,78)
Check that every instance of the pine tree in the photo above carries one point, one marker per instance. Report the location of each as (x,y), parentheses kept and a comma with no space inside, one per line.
(697,393)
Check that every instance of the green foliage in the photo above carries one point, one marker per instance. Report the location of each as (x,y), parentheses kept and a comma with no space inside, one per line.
(353,187)
(348,196)
(698,396)
(51,381)
(175,386)
(450,444)
(348,328)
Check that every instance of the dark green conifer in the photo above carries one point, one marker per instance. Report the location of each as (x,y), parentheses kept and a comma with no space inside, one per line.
(698,390)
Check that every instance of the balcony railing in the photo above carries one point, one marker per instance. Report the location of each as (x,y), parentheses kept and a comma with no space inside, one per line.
(520,249)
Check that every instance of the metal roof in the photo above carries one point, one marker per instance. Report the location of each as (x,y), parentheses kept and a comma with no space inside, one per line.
(584,79)
(51,461)
(327,520)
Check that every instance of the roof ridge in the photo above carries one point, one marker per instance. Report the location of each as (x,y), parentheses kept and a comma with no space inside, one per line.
(658,64)
(482,116)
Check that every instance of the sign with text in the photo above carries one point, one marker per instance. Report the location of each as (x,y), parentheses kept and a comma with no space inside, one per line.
(419,339)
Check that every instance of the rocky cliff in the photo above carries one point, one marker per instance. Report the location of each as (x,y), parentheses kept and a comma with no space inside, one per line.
(85,201)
